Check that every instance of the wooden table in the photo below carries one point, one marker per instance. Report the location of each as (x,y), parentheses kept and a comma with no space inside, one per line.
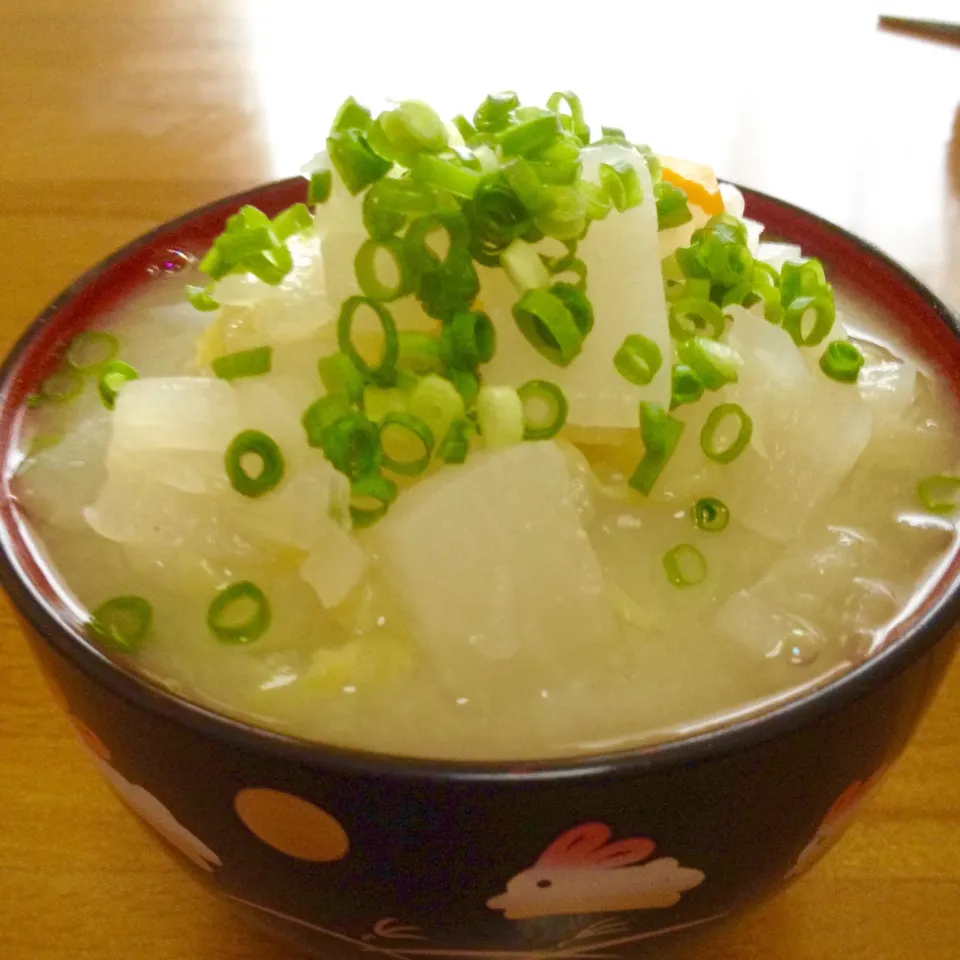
(118,114)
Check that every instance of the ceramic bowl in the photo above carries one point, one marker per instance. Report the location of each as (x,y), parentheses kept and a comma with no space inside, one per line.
(353,854)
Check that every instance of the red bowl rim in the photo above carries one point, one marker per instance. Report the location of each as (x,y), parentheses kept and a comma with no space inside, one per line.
(710,745)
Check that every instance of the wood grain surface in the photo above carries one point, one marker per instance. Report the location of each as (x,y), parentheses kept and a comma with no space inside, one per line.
(118,114)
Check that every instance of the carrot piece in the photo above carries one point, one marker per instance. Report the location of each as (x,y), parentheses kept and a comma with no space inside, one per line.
(697,180)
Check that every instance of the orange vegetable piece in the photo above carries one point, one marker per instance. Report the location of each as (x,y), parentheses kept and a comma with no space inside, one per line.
(697,181)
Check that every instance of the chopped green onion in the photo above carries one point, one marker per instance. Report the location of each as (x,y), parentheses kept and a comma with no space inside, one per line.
(244,363)
(113,377)
(800,278)
(577,302)
(685,386)
(352,444)
(548,326)
(456,444)
(500,416)
(939,493)
(496,216)
(638,359)
(385,367)
(321,413)
(797,314)
(710,515)
(466,384)
(596,201)
(841,361)
(672,207)
(201,298)
(406,444)
(270,266)
(756,291)
(660,434)
(494,113)
(447,287)
(390,202)
(122,622)
(522,177)
(695,317)
(436,401)
(467,340)
(339,375)
(240,613)
(270,466)
(351,116)
(578,124)
(413,126)
(379,401)
(544,409)
(612,133)
(524,267)
(622,184)
(443,175)
(419,254)
(370,498)
(62,386)
(685,565)
(714,363)
(464,127)
(295,219)
(524,138)
(321,183)
(365,266)
(353,159)
(727,261)
(418,353)
(652,161)
(570,265)
(714,437)
(87,352)
(764,273)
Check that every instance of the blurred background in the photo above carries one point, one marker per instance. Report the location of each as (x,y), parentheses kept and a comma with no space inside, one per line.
(116,115)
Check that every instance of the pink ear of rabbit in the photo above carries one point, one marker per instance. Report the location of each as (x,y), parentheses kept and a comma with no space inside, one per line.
(586,844)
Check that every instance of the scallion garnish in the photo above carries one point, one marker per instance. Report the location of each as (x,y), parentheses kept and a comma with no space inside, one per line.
(714,363)
(464,127)
(295,219)
(351,116)
(437,402)
(578,126)
(939,493)
(710,514)
(267,469)
(524,267)
(87,352)
(801,278)
(500,416)
(419,353)
(113,377)
(522,177)
(660,434)
(685,386)
(202,298)
(494,113)
(622,184)
(321,413)
(122,623)
(413,126)
(548,326)
(62,386)
(449,286)
(808,319)
(352,444)
(695,317)
(385,366)
(339,375)
(672,207)
(244,363)
(638,359)
(523,139)
(370,498)
(406,444)
(466,384)
(353,159)
(467,340)
(544,409)
(456,444)
(442,174)
(369,272)
(379,401)
(842,361)
(685,565)
(321,183)
(715,438)
(240,613)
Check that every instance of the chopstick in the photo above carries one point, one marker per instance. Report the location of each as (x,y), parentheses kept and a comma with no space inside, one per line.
(937,30)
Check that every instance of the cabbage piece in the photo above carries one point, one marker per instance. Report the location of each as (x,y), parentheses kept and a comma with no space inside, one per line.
(491,563)
(624,283)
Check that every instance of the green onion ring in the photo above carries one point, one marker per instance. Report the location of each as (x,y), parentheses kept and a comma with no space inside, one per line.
(352,444)
(62,386)
(365,266)
(548,326)
(104,347)
(257,444)
(122,622)
(708,435)
(638,359)
(113,376)
(710,515)
(842,361)
(685,565)
(370,498)
(409,428)
(939,493)
(244,363)
(554,401)
(220,621)
(386,368)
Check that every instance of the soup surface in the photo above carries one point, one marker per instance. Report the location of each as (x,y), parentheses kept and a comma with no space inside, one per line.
(475,591)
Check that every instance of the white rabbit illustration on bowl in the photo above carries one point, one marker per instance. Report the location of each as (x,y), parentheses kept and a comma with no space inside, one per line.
(580,872)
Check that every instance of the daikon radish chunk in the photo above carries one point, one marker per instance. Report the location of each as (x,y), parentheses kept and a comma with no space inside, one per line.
(335,566)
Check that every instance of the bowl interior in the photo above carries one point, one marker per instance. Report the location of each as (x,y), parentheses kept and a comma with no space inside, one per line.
(859,272)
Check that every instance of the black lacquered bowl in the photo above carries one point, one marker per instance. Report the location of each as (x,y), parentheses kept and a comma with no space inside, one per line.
(351,853)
